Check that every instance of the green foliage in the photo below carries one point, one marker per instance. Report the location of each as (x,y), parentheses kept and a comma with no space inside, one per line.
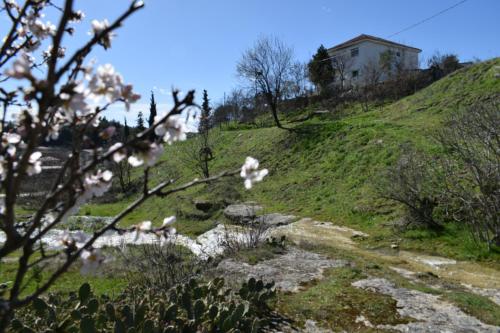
(189,307)
(321,71)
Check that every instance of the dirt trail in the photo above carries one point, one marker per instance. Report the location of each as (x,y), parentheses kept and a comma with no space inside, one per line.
(326,233)
(431,313)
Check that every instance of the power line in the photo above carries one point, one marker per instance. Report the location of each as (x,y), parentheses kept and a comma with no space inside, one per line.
(427,19)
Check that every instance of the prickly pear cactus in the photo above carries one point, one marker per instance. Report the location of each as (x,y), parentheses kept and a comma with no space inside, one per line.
(190,307)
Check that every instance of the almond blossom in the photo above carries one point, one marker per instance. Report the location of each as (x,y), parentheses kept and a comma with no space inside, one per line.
(97,28)
(120,153)
(106,82)
(95,185)
(73,240)
(142,227)
(168,221)
(172,129)
(91,261)
(10,142)
(34,164)
(149,156)
(21,68)
(38,28)
(250,172)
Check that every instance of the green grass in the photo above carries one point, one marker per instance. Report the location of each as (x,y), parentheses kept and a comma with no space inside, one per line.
(336,304)
(110,282)
(253,256)
(477,306)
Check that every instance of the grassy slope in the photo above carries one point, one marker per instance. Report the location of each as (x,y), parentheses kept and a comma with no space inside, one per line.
(327,169)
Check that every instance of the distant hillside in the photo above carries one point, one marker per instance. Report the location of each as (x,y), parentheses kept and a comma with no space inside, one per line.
(327,168)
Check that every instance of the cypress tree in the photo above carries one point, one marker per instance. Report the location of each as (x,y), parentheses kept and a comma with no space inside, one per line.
(152,115)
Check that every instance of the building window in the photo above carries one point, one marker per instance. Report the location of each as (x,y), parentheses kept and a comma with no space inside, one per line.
(355,74)
(334,60)
(354,52)
(398,54)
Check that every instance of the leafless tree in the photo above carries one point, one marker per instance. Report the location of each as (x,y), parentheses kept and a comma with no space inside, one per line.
(342,64)
(299,82)
(371,75)
(412,182)
(267,66)
(472,169)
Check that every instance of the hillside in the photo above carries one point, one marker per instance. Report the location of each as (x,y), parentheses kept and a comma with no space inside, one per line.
(327,168)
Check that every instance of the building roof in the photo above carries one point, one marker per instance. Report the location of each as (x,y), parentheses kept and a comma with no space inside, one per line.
(363,37)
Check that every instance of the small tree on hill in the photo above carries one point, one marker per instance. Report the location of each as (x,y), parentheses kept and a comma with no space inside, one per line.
(140,122)
(321,71)
(152,114)
(442,65)
(204,129)
(267,67)
(123,169)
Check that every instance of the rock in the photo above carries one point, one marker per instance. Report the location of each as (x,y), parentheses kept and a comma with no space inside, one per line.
(242,213)
(289,271)
(359,235)
(275,219)
(394,246)
(204,205)
(432,314)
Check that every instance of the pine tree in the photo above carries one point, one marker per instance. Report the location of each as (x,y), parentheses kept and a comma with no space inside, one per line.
(321,71)
(140,122)
(152,115)
(203,130)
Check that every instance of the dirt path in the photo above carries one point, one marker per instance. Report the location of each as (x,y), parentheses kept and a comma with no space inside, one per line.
(326,233)
(429,312)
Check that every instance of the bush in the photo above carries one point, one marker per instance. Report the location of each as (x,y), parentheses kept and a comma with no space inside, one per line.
(189,307)
(472,170)
(412,182)
(160,265)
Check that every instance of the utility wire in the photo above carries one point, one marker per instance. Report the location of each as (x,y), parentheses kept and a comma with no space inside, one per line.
(427,19)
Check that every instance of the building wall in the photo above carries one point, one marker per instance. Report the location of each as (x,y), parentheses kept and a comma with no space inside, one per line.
(369,54)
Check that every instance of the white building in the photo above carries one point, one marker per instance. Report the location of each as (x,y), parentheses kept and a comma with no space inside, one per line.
(358,60)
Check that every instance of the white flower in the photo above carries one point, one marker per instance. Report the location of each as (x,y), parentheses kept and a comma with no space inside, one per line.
(91,261)
(75,102)
(34,164)
(2,206)
(134,161)
(106,83)
(3,170)
(39,29)
(120,154)
(98,27)
(73,239)
(10,141)
(173,129)
(77,16)
(95,185)
(142,227)
(138,3)
(61,52)
(21,68)
(128,95)
(149,156)
(168,221)
(250,172)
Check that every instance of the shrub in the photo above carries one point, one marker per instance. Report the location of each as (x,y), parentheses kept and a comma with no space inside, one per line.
(472,170)
(412,182)
(160,265)
(189,307)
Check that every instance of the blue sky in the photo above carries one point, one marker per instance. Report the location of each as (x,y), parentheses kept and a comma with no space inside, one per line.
(195,44)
